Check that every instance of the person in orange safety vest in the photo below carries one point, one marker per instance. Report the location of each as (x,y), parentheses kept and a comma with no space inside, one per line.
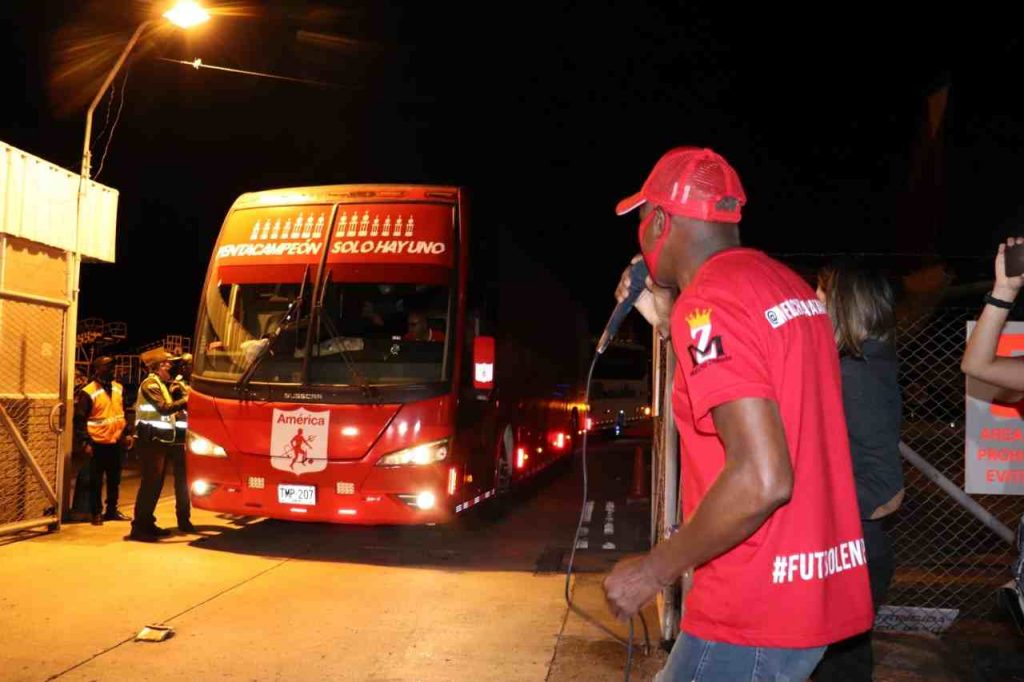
(100,430)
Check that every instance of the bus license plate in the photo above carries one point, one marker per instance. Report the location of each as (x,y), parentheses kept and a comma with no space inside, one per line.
(296,494)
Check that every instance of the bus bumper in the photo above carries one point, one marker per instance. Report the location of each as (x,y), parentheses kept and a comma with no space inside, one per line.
(344,492)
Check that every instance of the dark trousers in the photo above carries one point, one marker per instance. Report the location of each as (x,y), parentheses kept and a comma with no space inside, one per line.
(152,461)
(81,502)
(106,461)
(182,506)
(852,659)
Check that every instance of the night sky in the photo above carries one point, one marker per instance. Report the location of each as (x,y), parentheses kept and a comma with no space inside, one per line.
(547,112)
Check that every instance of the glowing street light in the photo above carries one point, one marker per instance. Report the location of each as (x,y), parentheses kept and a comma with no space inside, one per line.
(185,14)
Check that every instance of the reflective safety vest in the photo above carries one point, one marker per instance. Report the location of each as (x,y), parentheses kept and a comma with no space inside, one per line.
(106,420)
(164,428)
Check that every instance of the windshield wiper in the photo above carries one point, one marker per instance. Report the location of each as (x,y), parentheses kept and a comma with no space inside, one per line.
(292,316)
(368,390)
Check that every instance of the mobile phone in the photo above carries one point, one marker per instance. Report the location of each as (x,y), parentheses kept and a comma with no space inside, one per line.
(1014,257)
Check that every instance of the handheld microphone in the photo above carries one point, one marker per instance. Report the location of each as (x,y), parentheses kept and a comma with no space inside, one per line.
(637,279)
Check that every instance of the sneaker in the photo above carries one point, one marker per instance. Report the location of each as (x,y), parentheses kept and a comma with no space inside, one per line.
(141,537)
(97,520)
(116,515)
(186,527)
(160,532)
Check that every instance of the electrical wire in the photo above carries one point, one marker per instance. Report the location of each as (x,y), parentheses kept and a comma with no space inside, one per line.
(106,119)
(198,64)
(106,148)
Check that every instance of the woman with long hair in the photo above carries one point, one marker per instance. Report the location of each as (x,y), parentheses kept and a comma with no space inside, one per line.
(860,303)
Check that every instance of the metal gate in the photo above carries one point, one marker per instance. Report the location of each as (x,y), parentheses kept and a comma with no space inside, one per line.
(34,307)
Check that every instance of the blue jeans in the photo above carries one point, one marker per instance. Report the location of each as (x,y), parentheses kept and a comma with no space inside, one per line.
(699,660)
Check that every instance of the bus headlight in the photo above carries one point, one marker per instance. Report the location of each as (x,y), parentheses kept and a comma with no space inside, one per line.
(427,453)
(202,488)
(198,445)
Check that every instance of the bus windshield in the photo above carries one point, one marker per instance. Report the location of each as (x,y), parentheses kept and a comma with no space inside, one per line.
(365,333)
(240,323)
(378,316)
(389,334)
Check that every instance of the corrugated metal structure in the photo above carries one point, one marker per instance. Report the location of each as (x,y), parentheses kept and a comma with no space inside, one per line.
(39,202)
(49,217)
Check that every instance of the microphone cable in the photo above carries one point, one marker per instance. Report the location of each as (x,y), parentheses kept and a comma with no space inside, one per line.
(572,554)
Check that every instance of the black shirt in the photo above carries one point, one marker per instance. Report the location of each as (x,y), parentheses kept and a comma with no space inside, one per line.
(871,400)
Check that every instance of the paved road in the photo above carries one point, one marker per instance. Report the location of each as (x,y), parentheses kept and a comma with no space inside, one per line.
(253,599)
(256,599)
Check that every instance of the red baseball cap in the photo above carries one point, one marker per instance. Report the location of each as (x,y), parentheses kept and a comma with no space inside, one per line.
(692,182)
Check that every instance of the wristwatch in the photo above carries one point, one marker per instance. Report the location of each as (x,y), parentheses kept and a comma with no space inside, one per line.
(997,302)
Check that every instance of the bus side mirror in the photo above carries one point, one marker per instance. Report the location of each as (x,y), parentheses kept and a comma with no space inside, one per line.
(483,365)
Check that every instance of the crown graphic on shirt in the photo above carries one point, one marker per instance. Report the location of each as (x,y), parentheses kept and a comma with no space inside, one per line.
(699,318)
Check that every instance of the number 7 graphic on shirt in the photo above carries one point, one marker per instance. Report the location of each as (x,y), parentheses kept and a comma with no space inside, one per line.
(708,347)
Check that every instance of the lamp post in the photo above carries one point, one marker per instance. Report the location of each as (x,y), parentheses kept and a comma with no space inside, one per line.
(185,14)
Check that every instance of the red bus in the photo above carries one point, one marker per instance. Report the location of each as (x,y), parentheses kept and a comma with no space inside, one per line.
(340,374)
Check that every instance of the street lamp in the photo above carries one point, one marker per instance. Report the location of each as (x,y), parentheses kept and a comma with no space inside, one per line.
(185,14)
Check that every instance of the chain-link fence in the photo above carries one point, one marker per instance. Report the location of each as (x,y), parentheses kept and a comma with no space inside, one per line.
(948,564)
(22,495)
(30,370)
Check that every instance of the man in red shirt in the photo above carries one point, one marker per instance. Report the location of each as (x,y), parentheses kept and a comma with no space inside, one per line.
(419,330)
(771,524)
